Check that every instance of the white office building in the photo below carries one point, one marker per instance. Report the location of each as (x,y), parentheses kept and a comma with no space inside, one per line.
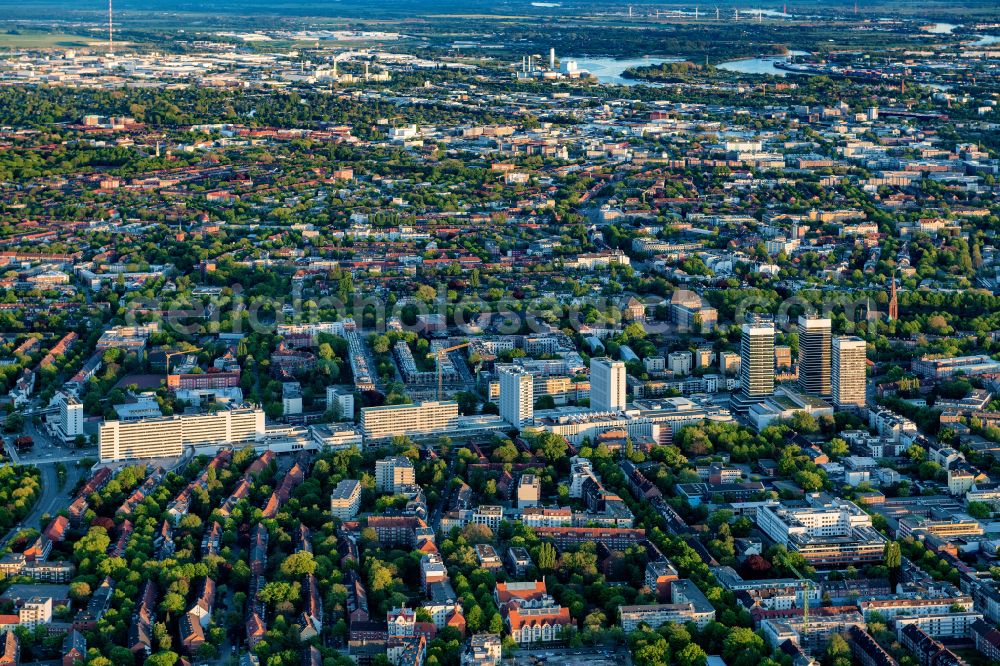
(529,491)
(337,436)
(517,397)
(391,474)
(167,436)
(69,423)
(420,418)
(654,363)
(581,469)
(607,385)
(345,499)
(340,400)
(679,362)
(756,362)
(847,376)
(482,650)
(35,611)
(837,518)
(291,399)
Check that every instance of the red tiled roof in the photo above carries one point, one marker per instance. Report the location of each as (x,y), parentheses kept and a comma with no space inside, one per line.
(556,615)
(504,594)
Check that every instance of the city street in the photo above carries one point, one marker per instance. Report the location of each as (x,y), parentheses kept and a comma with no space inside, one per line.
(53,498)
(46,449)
(596,656)
(45,454)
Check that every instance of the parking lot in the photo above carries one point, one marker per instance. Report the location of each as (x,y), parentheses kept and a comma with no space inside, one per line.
(47,449)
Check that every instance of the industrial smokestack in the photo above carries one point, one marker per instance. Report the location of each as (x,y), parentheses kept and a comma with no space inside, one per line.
(552,59)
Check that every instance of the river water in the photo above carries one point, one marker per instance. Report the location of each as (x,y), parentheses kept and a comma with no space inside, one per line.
(764,65)
(609,70)
(940,28)
(986,40)
(948,28)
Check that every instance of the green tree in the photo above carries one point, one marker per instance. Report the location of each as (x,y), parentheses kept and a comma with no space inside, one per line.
(162,658)
(381,344)
(545,402)
(719,518)
(172,604)
(298,564)
(277,592)
(980,510)
(14,422)
(929,470)
(552,446)
(742,647)
(691,655)
(79,590)
(838,652)
(547,557)
(809,481)
(650,649)
(93,544)
(837,448)
(892,554)
(803,422)
(426,293)
(474,618)
(496,624)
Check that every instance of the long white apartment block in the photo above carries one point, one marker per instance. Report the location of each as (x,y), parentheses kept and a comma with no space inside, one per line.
(416,419)
(167,436)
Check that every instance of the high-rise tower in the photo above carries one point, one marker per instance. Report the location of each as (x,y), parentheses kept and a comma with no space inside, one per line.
(517,397)
(848,371)
(757,357)
(814,355)
(607,385)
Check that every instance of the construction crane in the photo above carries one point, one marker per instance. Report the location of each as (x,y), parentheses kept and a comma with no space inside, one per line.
(805,598)
(170,355)
(439,355)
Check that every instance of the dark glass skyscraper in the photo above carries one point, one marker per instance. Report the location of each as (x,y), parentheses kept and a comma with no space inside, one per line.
(814,355)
